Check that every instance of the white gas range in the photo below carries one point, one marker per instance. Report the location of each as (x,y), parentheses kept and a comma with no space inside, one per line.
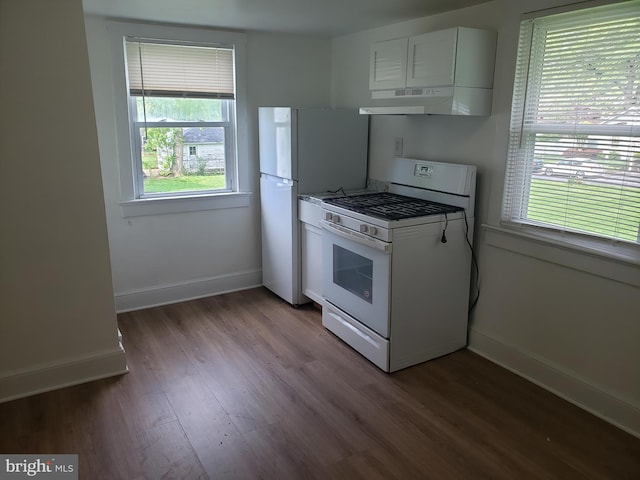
(397,264)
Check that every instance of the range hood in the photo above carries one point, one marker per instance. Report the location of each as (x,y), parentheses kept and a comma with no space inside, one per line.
(430,101)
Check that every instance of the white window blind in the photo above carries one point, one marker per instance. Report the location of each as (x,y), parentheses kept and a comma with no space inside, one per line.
(161,69)
(574,148)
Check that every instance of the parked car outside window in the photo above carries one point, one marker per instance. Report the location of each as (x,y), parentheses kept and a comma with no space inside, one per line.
(538,164)
(574,167)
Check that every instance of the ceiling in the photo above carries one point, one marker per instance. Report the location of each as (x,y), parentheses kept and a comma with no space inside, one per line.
(318,17)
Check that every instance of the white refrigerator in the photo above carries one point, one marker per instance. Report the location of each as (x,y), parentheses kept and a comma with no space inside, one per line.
(302,151)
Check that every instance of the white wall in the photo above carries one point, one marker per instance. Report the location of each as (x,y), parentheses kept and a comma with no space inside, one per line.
(165,258)
(287,70)
(540,313)
(58,323)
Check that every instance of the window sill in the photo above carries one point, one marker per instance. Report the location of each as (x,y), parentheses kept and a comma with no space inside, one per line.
(616,262)
(191,203)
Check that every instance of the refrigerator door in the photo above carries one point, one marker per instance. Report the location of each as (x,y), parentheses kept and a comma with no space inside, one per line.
(280,242)
(278,141)
(332,150)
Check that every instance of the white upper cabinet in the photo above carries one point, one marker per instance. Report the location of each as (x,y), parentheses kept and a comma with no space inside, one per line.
(460,57)
(388,64)
(432,59)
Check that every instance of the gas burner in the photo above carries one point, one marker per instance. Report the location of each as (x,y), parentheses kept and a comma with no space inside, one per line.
(391,206)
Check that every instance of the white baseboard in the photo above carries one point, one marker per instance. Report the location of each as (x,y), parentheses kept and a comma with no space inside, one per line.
(55,375)
(180,292)
(620,412)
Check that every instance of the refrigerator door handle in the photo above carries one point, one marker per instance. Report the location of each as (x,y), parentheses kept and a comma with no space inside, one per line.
(279,181)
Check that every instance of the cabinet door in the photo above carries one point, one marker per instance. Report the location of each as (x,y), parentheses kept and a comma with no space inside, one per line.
(311,246)
(388,64)
(432,59)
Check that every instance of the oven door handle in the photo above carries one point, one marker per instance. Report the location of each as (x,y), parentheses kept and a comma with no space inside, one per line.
(356,237)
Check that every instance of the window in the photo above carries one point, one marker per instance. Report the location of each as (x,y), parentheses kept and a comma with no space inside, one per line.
(181,102)
(223,128)
(574,149)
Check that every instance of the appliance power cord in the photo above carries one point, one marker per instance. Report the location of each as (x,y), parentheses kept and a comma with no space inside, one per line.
(446,224)
(474,262)
(344,194)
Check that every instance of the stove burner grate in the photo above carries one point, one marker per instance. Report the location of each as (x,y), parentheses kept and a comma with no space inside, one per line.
(391,206)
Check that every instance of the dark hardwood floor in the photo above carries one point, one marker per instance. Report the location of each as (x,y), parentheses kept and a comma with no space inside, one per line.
(243,386)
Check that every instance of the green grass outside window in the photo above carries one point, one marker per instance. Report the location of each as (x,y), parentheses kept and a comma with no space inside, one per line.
(590,208)
(183,183)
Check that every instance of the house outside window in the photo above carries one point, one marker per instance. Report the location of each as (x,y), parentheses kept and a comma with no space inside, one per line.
(573,165)
(178,95)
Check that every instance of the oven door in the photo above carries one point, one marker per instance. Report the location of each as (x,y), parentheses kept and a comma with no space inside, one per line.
(357,272)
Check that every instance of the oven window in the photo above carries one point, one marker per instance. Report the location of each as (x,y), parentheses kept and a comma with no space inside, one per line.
(353,272)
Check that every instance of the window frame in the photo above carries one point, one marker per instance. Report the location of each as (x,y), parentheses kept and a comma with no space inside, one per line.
(131,203)
(626,252)
(228,109)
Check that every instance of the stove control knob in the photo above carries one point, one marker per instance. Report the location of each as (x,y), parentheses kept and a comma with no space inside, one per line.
(328,216)
(336,218)
(373,230)
(364,228)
